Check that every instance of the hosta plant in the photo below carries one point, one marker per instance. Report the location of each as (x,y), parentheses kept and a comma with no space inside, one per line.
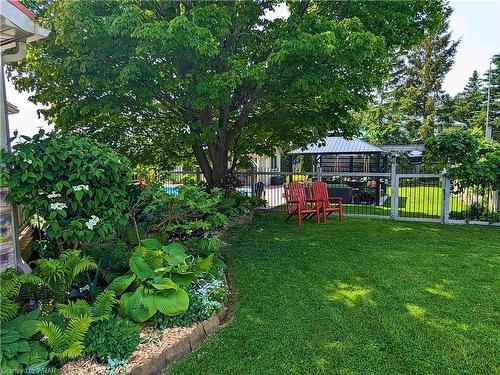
(157,281)
(66,340)
(19,352)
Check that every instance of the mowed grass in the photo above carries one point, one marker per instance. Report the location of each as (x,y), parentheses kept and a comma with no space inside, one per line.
(358,297)
(413,201)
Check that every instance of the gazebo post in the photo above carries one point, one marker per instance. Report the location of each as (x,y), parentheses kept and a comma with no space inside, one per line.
(290,167)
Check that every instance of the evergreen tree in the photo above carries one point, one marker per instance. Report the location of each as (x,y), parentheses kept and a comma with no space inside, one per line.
(427,67)
(469,105)
(411,104)
(494,113)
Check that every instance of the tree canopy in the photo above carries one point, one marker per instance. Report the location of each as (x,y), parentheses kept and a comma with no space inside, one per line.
(162,80)
(411,105)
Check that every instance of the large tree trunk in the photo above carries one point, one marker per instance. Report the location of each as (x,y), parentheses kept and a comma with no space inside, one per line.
(214,158)
(216,170)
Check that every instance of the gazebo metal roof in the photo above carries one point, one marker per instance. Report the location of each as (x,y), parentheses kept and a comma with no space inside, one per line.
(338,145)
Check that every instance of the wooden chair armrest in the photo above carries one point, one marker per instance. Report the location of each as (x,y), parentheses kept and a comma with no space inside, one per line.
(336,199)
(312,200)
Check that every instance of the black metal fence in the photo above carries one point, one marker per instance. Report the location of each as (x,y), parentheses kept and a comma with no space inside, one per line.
(417,197)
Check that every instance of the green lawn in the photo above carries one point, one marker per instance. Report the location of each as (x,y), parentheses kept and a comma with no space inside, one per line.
(413,201)
(359,297)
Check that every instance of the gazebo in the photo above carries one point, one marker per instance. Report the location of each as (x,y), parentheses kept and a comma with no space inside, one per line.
(338,154)
(354,160)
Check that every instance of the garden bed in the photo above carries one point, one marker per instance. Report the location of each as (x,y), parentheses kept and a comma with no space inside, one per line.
(158,349)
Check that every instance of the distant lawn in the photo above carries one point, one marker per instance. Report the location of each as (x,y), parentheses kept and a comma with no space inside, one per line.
(358,297)
(413,201)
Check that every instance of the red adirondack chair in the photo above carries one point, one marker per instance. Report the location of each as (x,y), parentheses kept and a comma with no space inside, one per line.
(319,191)
(298,204)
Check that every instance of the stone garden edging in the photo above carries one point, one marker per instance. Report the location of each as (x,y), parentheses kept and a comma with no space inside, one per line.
(178,350)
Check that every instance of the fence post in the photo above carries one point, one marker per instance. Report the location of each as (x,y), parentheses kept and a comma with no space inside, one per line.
(253,178)
(445,207)
(394,188)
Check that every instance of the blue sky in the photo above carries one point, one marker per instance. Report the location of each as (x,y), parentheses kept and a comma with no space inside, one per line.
(476,22)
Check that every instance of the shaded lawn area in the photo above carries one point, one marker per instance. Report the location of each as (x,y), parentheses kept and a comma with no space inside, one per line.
(359,297)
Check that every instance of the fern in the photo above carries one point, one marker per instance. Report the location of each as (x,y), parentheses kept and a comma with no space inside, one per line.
(75,310)
(75,263)
(103,305)
(59,274)
(111,257)
(77,328)
(11,282)
(53,334)
(66,342)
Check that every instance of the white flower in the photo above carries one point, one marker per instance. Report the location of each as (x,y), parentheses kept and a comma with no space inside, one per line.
(92,222)
(80,187)
(37,221)
(53,195)
(58,206)
(28,161)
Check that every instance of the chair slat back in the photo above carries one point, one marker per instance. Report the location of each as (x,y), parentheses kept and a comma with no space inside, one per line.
(295,191)
(298,193)
(319,191)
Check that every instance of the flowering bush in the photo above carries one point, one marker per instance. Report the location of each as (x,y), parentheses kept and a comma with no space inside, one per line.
(73,188)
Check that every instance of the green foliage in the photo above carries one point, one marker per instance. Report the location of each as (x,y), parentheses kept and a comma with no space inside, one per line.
(476,211)
(192,214)
(75,186)
(469,105)
(58,275)
(231,81)
(19,351)
(473,161)
(205,299)
(66,340)
(411,103)
(111,258)
(11,282)
(156,281)
(494,116)
(115,339)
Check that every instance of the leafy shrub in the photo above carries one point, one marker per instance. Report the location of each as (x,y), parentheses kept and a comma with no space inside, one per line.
(156,281)
(472,160)
(191,213)
(476,211)
(115,339)
(111,258)
(19,352)
(66,339)
(75,186)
